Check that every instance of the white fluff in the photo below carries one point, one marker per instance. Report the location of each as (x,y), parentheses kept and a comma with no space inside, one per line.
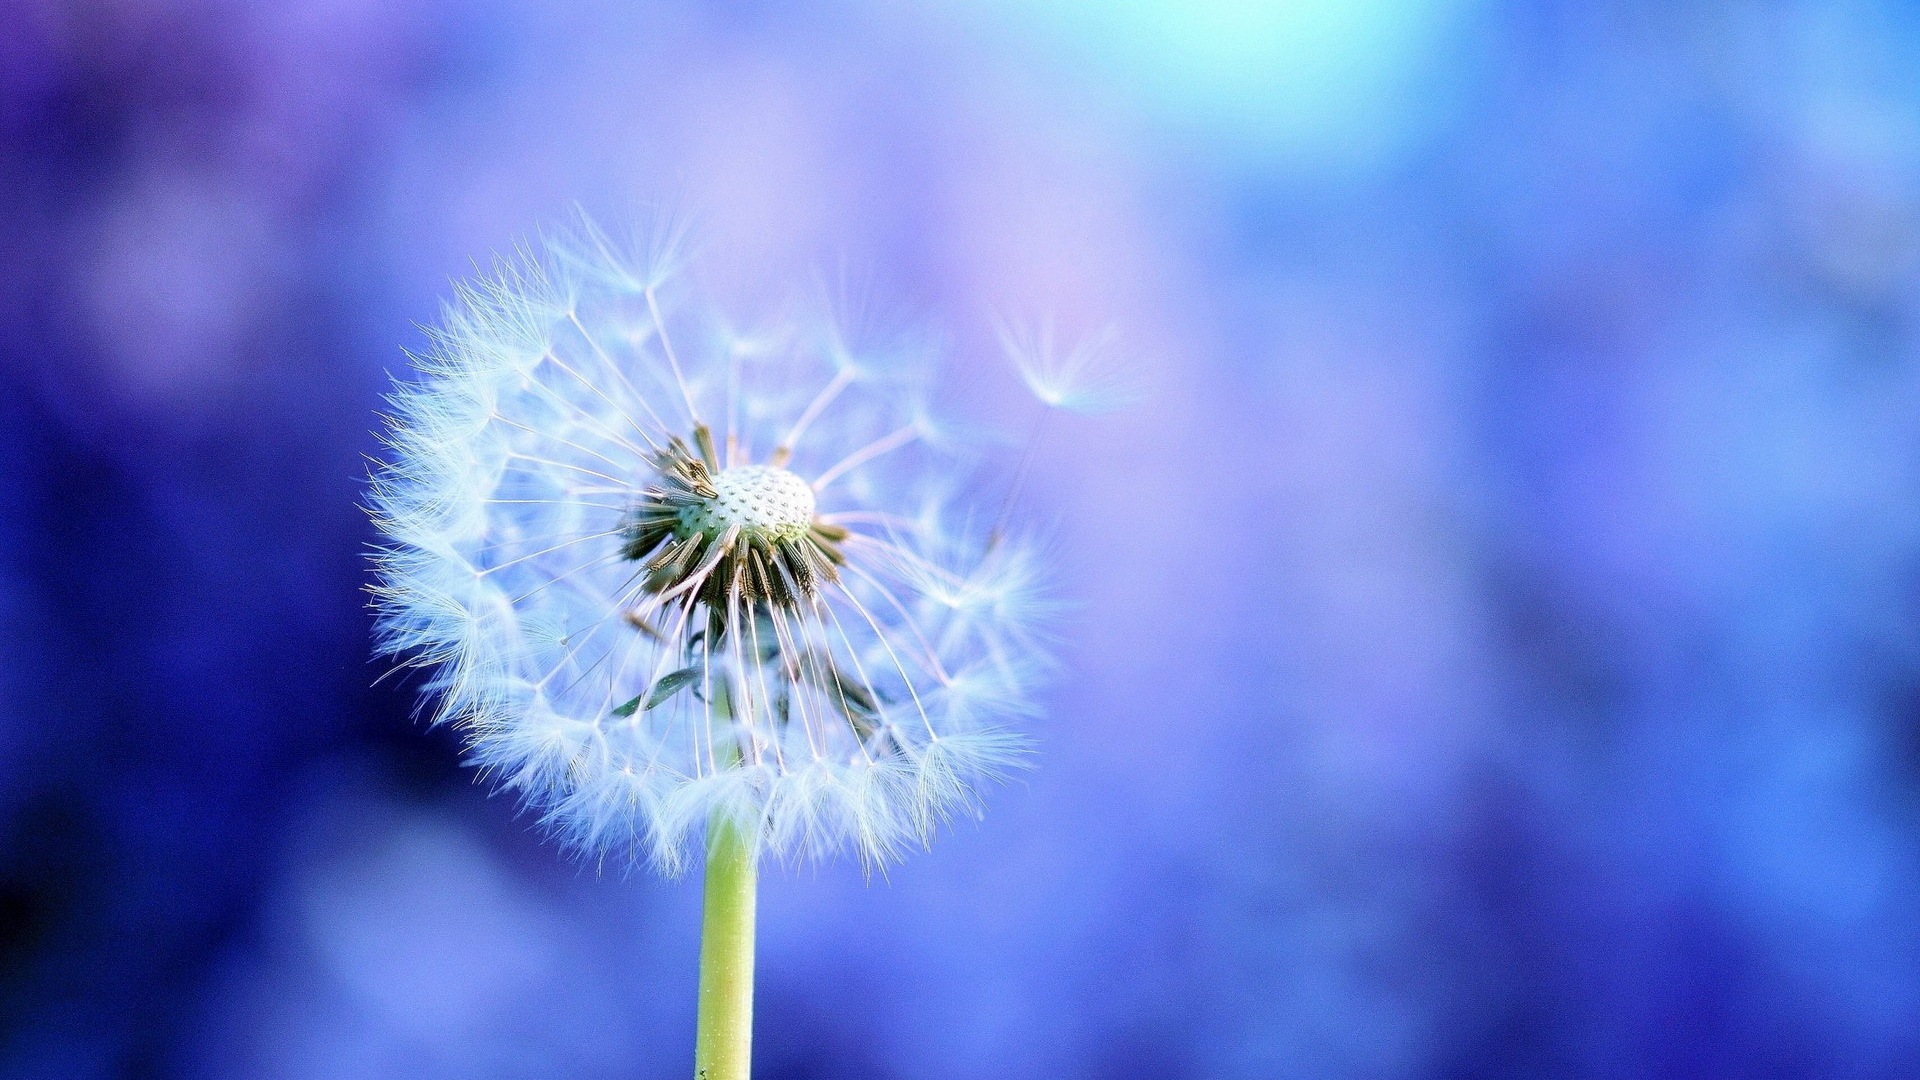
(517,456)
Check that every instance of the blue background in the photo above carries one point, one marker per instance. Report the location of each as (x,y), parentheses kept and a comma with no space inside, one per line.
(1495,649)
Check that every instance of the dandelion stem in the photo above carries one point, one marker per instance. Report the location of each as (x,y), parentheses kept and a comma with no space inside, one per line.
(723,1045)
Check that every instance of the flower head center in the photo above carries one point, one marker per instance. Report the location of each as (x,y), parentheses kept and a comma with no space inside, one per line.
(729,537)
(762,501)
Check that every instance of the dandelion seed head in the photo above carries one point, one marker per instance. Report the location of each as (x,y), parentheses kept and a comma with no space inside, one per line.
(665,562)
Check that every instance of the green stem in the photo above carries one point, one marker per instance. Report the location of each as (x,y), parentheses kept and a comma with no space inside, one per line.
(724,1043)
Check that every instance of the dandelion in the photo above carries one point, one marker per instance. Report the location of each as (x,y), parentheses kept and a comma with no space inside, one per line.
(678,583)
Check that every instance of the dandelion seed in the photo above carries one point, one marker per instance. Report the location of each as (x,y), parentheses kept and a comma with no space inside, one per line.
(1082,376)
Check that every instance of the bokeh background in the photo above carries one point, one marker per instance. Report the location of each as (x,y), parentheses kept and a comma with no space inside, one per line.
(1495,647)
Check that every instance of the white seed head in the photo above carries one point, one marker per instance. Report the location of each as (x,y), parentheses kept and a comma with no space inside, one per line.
(762,500)
(639,627)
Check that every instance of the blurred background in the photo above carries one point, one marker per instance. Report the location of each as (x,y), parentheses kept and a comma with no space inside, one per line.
(1494,652)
